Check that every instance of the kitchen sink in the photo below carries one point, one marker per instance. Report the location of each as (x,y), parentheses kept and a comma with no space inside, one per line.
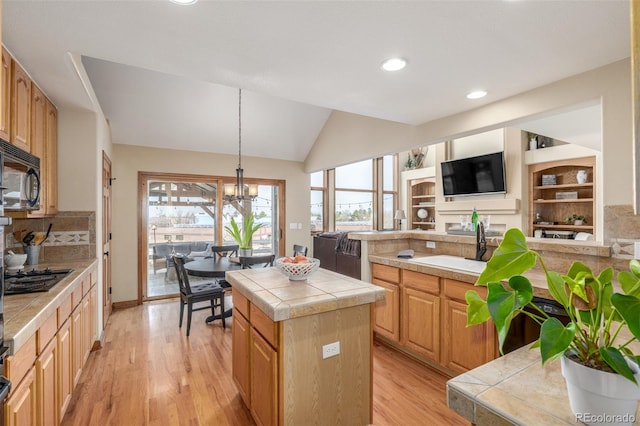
(452,262)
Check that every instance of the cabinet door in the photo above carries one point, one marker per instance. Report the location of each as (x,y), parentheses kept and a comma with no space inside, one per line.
(47,392)
(50,167)
(5,96)
(464,347)
(76,341)
(65,362)
(387,311)
(20,408)
(240,356)
(20,107)
(86,328)
(93,295)
(264,381)
(421,322)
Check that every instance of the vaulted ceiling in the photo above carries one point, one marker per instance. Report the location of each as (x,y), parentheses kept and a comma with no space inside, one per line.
(168,76)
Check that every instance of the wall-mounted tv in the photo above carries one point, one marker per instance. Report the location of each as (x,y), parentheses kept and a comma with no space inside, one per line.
(483,174)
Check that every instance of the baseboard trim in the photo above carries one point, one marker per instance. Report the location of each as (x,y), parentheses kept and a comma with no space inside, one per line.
(124,305)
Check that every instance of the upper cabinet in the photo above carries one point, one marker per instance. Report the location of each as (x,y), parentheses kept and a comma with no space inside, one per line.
(20,107)
(5,96)
(49,172)
(562,198)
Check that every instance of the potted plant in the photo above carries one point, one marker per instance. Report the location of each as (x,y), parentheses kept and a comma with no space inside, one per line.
(244,236)
(602,323)
(576,219)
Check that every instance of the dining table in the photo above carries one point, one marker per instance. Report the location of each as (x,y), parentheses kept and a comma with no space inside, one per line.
(213,267)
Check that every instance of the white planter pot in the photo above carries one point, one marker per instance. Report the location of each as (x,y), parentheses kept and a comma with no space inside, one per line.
(598,397)
(245,252)
(578,222)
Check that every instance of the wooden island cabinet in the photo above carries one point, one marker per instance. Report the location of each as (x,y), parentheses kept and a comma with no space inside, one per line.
(50,348)
(281,332)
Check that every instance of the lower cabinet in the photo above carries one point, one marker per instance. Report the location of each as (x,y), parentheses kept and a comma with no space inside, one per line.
(264,381)
(427,315)
(45,370)
(240,349)
(421,314)
(465,347)
(20,408)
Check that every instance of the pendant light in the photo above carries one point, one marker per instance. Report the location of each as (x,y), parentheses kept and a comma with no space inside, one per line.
(240,192)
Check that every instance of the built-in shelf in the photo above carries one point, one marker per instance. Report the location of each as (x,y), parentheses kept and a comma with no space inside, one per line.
(422,191)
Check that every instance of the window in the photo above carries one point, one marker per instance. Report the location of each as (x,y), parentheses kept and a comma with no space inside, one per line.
(354,197)
(389,191)
(318,204)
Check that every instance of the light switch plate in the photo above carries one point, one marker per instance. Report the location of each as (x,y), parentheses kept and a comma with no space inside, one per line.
(431,244)
(331,349)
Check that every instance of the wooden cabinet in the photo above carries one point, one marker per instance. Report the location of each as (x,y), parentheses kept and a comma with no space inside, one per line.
(423,204)
(77,347)
(264,381)
(464,348)
(553,199)
(65,367)
(20,107)
(421,314)
(49,165)
(240,351)
(5,96)
(46,389)
(20,407)
(38,121)
(387,311)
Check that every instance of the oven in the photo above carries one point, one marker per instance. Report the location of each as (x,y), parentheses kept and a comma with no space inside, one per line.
(524,330)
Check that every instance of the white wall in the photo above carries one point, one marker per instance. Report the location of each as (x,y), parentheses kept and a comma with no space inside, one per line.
(128,160)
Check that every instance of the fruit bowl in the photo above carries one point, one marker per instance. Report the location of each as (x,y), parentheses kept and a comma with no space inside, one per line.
(297,269)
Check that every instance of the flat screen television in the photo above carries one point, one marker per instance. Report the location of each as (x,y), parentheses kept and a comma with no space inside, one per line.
(483,174)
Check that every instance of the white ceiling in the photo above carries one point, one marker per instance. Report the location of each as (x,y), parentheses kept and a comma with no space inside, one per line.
(167,75)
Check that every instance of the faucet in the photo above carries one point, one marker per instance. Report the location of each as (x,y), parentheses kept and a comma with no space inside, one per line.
(481,241)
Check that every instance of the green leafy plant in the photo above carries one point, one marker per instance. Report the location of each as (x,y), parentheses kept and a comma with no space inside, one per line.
(575,217)
(243,236)
(597,314)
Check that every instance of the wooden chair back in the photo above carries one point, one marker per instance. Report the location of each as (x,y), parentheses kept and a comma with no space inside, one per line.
(264,260)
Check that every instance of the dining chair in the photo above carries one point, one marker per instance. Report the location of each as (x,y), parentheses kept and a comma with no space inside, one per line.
(192,294)
(225,250)
(299,250)
(247,262)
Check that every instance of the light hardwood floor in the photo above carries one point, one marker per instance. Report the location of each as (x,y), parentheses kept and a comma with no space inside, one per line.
(150,373)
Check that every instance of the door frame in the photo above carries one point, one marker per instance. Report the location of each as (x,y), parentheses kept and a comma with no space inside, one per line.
(106,238)
(143,220)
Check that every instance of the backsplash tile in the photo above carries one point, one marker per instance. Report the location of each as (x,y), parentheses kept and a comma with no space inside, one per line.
(72,236)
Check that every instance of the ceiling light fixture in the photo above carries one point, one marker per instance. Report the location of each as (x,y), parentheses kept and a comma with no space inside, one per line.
(240,192)
(477,94)
(394,64)
(183,2)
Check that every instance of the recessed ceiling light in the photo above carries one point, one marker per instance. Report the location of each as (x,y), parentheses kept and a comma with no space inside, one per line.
(477,94)
(183,2)
(394,64)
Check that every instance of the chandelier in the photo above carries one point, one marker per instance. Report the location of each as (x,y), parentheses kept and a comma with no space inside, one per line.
(240,192)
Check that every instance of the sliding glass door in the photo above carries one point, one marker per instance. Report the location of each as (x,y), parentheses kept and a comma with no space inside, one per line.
(184,213)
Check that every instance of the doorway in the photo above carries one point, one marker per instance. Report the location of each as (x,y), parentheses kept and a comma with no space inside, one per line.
(184,213)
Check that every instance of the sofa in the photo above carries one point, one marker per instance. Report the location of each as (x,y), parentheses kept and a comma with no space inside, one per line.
(338,253)
(162,252)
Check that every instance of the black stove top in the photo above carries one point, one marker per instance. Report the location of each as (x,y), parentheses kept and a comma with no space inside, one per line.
(33,281)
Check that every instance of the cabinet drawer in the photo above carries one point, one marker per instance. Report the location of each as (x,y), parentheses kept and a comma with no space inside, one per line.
(241,304)
(457,289)
(64,310)
(387,273)
(46,332)
(20,363)
(420,281)
(265,326)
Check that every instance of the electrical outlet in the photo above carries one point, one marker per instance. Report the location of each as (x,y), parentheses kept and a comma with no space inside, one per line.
(332,349)
(431,244)
(293,225)
(636,250)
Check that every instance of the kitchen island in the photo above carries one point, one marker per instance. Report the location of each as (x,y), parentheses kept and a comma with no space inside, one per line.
(302,350)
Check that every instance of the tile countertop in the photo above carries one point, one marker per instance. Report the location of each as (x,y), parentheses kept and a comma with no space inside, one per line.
(281,299)
(513,389)
(25,313)
(538,280)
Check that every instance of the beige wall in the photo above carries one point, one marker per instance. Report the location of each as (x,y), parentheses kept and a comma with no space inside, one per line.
(356,138)
(128,160)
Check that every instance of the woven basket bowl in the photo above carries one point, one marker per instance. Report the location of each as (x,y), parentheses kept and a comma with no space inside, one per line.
(298,271)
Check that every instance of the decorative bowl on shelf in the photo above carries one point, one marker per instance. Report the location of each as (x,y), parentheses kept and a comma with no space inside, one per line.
(297,268)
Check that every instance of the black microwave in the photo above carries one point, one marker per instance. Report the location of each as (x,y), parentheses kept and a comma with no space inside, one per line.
(20,178)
